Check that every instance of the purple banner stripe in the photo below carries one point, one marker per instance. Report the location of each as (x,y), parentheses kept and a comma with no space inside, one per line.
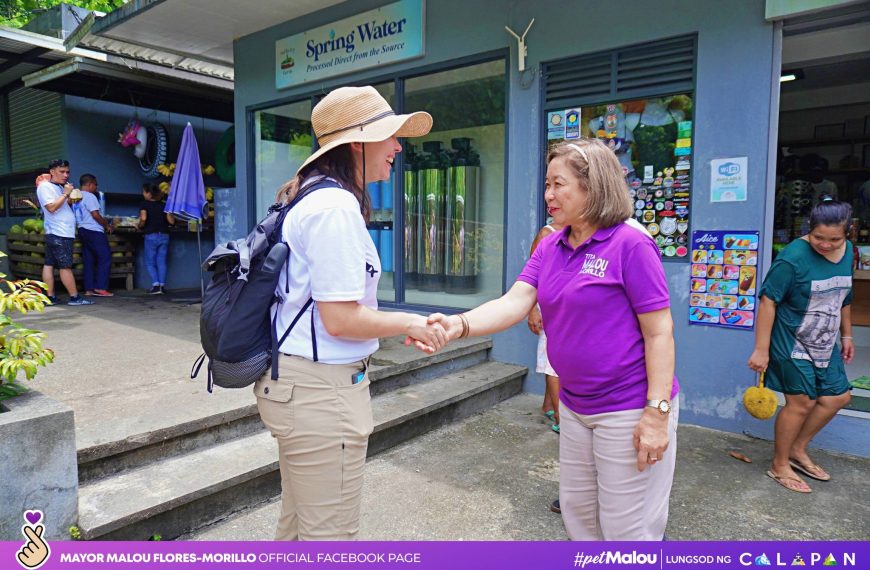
(444,555)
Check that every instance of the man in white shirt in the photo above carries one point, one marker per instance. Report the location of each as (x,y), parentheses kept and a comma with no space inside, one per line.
(96,255)
(60,231)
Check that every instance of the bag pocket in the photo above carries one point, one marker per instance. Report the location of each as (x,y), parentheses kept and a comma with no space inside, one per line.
(240,374)
(275,403)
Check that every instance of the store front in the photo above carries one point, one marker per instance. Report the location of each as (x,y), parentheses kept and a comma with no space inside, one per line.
(688,102)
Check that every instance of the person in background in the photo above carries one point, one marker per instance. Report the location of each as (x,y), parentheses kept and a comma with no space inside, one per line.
(329,285)
(60,231)
(551,379)
(804,304)
(93,227)
(606,311)
(551,389)
(154,223)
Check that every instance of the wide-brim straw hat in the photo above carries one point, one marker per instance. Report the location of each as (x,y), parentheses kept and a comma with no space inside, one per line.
(360,114)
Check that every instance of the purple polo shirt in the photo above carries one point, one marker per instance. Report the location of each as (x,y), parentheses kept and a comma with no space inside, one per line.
(590,298)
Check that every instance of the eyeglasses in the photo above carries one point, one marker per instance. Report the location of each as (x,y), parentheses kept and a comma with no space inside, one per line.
(57,163)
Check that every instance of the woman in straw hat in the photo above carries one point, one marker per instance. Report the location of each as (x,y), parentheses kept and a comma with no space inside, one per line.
(319,410)
(606,311)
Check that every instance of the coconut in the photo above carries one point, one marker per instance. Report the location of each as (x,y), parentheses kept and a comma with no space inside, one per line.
(759,401)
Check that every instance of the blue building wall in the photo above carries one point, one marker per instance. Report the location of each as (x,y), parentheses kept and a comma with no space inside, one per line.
(736,63)
(92,128)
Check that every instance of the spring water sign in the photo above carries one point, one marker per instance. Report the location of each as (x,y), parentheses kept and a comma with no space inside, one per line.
(385,35)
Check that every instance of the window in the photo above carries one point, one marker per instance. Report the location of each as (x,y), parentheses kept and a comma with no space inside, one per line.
(382,223)
(438,223)
(652,139)
(282,142)
(453,184)
(646,119)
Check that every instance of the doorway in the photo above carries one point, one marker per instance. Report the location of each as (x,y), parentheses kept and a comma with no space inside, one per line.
(824,150)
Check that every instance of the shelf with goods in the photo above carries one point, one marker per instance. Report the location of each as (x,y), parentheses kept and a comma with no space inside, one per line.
(27,256)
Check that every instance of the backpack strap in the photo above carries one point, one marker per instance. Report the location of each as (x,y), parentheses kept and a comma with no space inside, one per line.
(276,343)
(194,372)
(313,338)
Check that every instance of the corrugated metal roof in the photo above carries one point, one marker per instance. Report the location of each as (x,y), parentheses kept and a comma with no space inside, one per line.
(23,52)
(159,57)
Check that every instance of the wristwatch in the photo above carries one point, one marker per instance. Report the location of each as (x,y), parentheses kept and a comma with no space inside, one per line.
(663,406)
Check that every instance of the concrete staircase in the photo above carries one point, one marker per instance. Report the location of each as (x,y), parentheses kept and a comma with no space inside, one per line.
(180,477)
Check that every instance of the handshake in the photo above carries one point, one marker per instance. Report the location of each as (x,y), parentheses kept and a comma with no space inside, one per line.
(431,334)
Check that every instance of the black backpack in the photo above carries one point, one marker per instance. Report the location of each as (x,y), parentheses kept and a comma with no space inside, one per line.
(237,333)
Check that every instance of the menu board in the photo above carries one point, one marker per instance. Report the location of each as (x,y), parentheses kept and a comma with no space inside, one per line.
(724,278)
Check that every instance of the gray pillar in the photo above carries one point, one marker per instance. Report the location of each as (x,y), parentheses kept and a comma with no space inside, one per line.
(38,466)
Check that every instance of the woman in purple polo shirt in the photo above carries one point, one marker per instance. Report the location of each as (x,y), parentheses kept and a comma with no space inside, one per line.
(604,301)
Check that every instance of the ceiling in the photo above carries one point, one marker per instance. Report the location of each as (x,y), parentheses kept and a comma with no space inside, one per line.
(202,29)
(827,57)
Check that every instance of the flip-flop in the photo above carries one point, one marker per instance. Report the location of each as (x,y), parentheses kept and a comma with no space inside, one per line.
(782,479)
(805,469)
(555,428)
(550,414)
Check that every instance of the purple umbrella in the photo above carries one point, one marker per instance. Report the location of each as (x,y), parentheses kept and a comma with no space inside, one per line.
(187,193)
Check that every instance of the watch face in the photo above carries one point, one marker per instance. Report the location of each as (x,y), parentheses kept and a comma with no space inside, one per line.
(664,406)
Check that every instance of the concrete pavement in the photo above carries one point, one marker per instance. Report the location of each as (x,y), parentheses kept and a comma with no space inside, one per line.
(123,365)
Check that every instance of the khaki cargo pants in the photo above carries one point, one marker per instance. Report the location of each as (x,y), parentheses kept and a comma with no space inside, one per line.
(322,422)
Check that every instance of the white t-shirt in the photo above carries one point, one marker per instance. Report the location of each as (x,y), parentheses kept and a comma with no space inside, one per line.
(332,258)
(83,209)
(63,221)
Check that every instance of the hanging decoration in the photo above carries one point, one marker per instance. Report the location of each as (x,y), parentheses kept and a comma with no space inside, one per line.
(136,135)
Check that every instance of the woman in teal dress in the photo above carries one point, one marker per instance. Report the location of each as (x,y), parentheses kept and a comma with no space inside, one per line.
(804,306)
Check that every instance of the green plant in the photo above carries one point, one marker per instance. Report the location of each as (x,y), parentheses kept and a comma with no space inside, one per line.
(21,348)
(155,537)
(75,532)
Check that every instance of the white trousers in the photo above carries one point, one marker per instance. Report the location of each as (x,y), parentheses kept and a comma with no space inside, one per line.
(601,493)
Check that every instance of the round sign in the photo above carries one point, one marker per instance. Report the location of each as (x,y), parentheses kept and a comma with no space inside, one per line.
(682,251)
(653,229)
(670,251)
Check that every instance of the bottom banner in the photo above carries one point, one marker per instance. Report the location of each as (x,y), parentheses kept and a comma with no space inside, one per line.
(35,552)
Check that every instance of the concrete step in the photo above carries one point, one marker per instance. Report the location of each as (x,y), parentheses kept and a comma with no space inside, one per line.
(184,492)
(181,416)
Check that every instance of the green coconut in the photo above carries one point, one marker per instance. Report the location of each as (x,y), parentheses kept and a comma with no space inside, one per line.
(16,229)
